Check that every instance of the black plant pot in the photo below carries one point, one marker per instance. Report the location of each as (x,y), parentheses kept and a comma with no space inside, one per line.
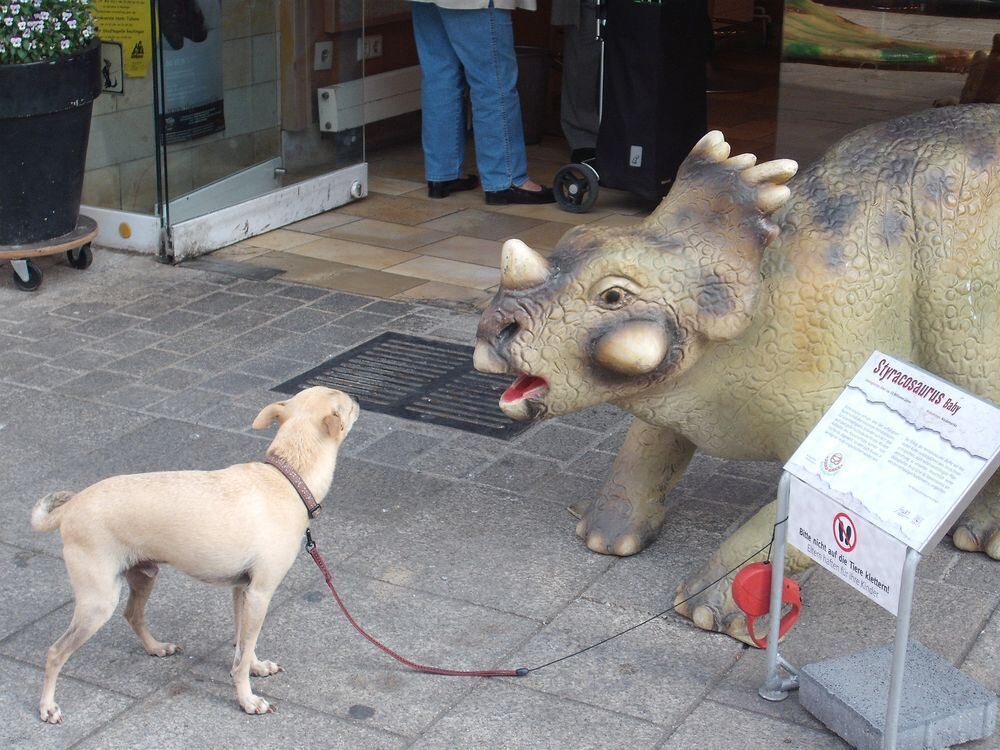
(44,126)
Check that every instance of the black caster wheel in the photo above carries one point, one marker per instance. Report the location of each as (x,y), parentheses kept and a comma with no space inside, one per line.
(34,273)
(575,188)
(80,257)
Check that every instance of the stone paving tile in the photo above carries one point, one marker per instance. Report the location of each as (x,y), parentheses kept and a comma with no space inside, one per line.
(43,325)
(108,324)
(187,405)
(175,378)
(43,376)
(447,538)
(516,472)
(605,419)
(416,325)
(59,344)
(448,462)
(217,303)
(236,322)
(229,417)
(215,360)
(96,384)
(127,342)
(273,304)
(137,396)
(31,586)
(302,292)
(555,440)
(275,369)
(235,383)
(387,307)
(340,303)
(304,320)
(194,615)
(151,306)
(399,448)
(83,359)
(347,671)
(657,673)
(174,322)
(594,464)
(191,712)
(144,362)
(518,717)
(83,310)
(15,362)
(86,708)
(717,727)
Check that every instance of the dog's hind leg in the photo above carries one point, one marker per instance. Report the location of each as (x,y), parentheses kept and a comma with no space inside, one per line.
(96,587)
(258,667)
(256,599)
(140,579)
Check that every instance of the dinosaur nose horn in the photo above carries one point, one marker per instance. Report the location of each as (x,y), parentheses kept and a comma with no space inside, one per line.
(521,267)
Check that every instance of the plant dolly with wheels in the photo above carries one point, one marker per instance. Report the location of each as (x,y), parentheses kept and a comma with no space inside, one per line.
(76,245)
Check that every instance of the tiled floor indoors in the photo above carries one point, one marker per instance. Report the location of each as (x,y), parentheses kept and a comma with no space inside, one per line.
(397,243)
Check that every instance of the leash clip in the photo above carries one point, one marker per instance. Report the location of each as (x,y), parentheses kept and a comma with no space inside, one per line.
(310,544)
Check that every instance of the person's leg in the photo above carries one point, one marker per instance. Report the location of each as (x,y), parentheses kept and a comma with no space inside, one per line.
(483,39)
(581,81)
(441,88)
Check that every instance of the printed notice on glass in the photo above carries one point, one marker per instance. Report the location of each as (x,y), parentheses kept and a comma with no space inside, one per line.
(902,448)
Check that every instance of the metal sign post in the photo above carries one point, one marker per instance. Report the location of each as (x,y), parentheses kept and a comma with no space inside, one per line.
(879,480)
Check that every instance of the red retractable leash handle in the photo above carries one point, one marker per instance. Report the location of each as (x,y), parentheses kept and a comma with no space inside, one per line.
(321,564)
(752,594)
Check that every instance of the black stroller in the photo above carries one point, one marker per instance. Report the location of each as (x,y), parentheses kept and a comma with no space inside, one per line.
(653,103)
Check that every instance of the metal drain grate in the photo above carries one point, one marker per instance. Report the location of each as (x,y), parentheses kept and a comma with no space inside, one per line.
(418,379)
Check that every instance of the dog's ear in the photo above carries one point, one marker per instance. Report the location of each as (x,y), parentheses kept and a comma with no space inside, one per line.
(268,414)
(334,424)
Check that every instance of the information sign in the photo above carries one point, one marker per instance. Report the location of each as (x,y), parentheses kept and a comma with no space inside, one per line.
(902,449)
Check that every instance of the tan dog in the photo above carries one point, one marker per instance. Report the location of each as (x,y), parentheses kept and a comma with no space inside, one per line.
(241,527)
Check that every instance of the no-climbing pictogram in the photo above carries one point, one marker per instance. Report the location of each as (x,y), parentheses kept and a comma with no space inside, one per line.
(844,532)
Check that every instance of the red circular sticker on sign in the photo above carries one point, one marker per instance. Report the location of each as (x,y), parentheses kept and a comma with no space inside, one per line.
(844,532)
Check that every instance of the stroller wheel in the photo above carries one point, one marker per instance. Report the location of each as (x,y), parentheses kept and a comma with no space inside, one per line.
(575,188)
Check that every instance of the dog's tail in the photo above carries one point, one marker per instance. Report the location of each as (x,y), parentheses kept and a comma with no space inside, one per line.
(47,514)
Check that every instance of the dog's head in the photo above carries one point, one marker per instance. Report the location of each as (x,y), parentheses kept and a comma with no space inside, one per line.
(324,411)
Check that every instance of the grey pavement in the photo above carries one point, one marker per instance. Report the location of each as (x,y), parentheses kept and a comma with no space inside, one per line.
(456,550)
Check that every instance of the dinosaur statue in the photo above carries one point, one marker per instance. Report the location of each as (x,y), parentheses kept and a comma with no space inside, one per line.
(731,318)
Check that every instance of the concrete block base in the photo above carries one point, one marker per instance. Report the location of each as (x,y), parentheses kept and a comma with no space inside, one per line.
(941,706)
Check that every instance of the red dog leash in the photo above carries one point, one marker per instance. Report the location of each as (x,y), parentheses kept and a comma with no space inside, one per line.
(313,508)
(321,564)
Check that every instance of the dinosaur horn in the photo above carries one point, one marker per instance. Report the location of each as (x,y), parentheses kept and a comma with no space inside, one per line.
(521,267)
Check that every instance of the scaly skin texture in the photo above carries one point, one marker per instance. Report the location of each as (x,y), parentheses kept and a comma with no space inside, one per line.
(733,316)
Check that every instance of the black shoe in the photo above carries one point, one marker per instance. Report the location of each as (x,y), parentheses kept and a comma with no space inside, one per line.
(446,188)
(580,155)
(514,194)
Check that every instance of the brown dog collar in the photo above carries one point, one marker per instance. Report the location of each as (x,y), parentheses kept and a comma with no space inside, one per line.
(312,507)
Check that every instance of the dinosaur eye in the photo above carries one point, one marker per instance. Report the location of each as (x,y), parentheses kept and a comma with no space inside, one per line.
(615,298)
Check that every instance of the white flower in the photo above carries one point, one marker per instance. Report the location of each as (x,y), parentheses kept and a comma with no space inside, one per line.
(22,25)
(8,21)
(15,9)
(64,44)
(15,41)
(71,23)
(44,15)
(66,15)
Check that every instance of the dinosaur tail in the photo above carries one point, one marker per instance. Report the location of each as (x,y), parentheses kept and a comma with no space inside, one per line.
(47,514)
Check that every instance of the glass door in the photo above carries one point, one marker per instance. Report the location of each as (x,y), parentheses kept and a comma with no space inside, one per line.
(242,146)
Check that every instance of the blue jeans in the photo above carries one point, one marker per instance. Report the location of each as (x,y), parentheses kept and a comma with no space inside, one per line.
(477,46)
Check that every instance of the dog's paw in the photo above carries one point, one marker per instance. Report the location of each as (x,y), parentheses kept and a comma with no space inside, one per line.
(50,714)
(265,668)
(164,649)
(256,705)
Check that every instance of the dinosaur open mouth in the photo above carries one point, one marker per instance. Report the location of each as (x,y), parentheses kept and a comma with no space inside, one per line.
(526,386)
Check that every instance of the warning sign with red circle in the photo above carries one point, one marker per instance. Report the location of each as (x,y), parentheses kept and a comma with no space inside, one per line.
(845,532)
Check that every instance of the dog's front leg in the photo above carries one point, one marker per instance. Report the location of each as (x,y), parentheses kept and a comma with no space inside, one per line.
(256,599)
(258,667)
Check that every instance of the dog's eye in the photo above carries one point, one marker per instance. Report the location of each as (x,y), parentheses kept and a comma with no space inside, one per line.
(615,298)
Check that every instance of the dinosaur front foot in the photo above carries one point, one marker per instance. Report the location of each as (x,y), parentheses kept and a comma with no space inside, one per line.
(978,530)
(710,605)
(618,526)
